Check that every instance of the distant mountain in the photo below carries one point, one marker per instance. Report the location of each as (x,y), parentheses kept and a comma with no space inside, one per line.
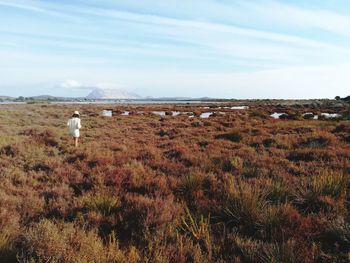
(112,94)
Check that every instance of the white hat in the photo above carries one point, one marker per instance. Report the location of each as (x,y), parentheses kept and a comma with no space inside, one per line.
(76,112)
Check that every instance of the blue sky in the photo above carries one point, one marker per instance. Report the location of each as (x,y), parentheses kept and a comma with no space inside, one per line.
(222,48)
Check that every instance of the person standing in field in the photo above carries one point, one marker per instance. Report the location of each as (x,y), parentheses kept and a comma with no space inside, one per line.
(74,125)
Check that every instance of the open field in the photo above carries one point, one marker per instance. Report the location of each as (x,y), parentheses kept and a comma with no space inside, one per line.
(238,186)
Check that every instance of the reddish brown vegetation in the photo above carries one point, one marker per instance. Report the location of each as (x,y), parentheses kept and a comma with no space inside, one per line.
(239,187)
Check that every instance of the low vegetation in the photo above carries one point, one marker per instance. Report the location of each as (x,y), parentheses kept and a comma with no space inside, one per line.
(235,187)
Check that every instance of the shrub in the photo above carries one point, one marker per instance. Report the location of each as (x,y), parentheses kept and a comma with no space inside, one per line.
(9,150)
(104,203)
(308,116)
(248,250)
(196,124)
(46,137)
(322,192)
(285,252)
(180,154)
(277,191)
(237,163)
(309,155)
(344,127)
(191,188)
(329,183)
(250,171)
(48,241)
(284,116)
(140,213)
(232,136)
(347,139)
(10,229)
(295,115)
(269,142)
(316,142)
(198,230)
(244,209)
(335,235)
(258,114)
(163,133)
(145,155)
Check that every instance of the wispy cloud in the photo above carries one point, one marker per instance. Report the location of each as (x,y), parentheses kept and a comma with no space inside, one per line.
(37,9)
(283,13)
(314,18)
(205,26)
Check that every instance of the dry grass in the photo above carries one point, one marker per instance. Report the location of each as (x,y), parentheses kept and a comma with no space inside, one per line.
(239,187)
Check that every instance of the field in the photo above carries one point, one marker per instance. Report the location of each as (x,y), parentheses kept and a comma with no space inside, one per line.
(234,187)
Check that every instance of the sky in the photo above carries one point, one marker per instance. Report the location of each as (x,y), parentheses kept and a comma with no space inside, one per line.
(189,48)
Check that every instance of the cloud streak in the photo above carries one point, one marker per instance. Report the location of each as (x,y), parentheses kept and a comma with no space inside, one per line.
(314,18)
(36,9)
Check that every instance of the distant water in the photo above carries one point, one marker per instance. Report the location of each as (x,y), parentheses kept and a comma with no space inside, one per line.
(205,115)
(107,113)
(11,102)
(160,113)
(277,115)
(238,107)
(122,102)
(137,102)
(330,115)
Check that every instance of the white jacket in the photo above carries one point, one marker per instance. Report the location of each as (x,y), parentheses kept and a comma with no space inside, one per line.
(74,125)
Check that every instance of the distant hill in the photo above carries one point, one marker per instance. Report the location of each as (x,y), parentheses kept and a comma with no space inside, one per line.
(6,98)
(46,97)
(112,94)
(347,99)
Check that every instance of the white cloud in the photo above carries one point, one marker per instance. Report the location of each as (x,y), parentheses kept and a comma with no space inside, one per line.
(71,84)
